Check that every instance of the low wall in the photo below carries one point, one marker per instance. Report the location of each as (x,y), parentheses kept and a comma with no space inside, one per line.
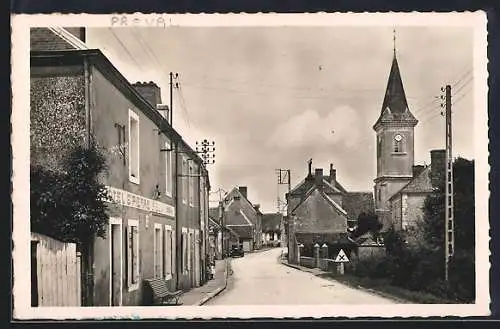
(307,262)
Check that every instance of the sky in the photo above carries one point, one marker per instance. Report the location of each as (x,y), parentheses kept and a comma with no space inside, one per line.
(275,97)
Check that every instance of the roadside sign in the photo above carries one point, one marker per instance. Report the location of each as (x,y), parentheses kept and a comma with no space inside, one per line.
(341,257)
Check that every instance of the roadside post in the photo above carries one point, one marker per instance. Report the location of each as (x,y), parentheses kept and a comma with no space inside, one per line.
(316,255)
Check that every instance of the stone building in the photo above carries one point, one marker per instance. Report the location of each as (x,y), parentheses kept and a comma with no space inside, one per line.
(158,185)
(320,209)
(243,217)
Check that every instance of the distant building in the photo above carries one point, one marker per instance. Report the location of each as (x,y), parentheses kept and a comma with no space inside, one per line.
(241,216)
(320,209)
(271,229)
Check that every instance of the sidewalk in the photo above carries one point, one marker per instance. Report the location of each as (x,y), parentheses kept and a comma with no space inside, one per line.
(200,295)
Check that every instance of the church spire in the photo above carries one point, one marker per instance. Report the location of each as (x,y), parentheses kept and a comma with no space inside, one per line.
(395,105)
(394,41)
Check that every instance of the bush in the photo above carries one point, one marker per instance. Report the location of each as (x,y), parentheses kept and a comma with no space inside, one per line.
(69,205)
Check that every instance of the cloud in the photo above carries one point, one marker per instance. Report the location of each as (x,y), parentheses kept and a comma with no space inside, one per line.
(341,126)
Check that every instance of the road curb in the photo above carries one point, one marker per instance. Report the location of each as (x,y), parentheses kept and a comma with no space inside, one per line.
(217,291)
(368,290)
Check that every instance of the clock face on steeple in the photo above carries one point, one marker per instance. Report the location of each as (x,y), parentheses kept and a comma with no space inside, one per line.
(398,137)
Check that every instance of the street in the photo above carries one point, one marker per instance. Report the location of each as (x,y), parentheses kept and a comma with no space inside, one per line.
(259,279)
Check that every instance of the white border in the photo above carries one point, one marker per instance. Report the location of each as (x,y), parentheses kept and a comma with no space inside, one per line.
(115,221)
(21,184)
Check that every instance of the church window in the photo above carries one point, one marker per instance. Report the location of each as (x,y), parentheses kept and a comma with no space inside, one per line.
(398,144)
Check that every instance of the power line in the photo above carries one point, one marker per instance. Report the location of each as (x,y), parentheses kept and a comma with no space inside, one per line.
(125,48)
(461,78)
(463,86)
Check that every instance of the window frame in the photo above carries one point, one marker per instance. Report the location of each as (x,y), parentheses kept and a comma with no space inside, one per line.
(191,185)
(130,284)
(184,181)
(132,116)
(398,146)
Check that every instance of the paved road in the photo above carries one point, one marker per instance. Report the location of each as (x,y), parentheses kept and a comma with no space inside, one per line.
(258,279)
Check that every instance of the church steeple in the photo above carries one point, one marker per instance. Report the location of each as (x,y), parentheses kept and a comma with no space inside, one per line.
(395,105)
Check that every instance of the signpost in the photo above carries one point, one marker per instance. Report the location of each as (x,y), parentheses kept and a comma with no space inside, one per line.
(341,258)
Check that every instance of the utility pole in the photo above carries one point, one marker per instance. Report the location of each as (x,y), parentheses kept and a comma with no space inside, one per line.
(284,178)
(449,221)
(207,151)
(172,75)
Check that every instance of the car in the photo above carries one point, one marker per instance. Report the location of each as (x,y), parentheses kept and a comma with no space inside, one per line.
(237,251)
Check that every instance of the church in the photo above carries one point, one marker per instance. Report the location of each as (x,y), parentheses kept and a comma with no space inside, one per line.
(401,186)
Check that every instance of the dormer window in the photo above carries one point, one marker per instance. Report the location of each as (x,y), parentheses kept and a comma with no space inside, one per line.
(398,144)
(236,197)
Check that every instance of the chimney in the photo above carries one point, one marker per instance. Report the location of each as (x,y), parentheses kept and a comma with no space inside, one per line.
(318,176)
(309,169)
(438,168)
(333,174)
(149,91)
(417,169)
(164,111)
(243,191)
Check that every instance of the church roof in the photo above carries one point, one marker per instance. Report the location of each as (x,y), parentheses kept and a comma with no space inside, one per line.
(395,105)
(419,184)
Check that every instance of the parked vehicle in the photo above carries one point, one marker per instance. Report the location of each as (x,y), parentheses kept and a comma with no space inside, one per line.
(237,251)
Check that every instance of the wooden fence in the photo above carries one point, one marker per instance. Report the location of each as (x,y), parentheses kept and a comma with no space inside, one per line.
(55,272)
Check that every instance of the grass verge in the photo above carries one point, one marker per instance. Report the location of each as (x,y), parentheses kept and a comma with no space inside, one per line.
(384,288)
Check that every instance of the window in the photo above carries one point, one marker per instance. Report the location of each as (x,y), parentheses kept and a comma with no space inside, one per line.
(168,253)
(191,186)
(158,251)
(184,181)
(398,143)
(133,147)
(184,244)
(379,145)
(133,254)
(168,169)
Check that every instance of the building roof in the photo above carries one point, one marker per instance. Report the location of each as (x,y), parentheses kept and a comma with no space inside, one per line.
(355,203)
(271,222)
(332,203)
(395,105)
(419,184)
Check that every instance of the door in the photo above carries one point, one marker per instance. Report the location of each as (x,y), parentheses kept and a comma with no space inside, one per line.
(116,262)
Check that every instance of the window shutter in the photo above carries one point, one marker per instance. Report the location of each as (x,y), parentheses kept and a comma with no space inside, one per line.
(172,252)
(136,255)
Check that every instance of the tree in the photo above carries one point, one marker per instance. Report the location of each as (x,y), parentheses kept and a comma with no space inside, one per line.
(463,203)
(367,222)
(69,205)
